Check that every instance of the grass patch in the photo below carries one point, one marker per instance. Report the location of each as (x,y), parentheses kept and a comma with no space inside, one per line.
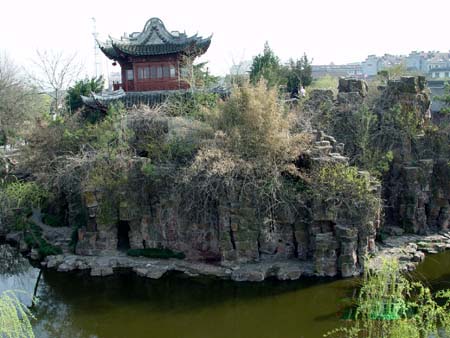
(155,253)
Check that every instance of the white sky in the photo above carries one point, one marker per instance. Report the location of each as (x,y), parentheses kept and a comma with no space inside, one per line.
(338,31)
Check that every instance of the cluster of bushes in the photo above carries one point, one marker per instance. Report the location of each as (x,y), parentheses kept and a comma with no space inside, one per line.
(372,138)
(17,199)
(344,189)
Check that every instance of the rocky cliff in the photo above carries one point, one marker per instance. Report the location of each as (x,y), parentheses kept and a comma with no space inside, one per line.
(326,224)
(230,229)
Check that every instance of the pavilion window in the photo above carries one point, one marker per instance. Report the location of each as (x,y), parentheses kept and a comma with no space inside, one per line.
(130,74)
(147,72)
(159,72)
(166,72)
(172,71)
(140,73)
(153,72)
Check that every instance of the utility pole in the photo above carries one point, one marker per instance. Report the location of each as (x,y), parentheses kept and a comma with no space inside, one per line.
(97,65)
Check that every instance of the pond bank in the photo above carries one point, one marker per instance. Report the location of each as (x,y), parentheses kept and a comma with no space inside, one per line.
(408,249)
(156,268)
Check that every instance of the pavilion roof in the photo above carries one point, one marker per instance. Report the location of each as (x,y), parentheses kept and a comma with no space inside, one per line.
(154,39)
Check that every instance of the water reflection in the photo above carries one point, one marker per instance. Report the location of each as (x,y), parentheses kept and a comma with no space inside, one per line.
(17,274)
(128,306)
(80,306)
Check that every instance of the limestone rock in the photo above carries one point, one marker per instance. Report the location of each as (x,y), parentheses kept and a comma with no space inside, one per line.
(351,85)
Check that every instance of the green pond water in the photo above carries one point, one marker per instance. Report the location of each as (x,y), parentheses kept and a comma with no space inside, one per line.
(76,305)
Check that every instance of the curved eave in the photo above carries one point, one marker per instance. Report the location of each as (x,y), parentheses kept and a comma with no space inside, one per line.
(197,47)
(203,46)
(109,51)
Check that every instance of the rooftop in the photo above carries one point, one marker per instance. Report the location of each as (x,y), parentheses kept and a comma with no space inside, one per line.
(154,39)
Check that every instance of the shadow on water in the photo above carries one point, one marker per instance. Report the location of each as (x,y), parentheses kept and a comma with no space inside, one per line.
(125,305)
(174,290)
(434,271)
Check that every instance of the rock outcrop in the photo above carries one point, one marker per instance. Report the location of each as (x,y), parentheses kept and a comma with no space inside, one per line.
(229,231)
(419,196)
(231,237)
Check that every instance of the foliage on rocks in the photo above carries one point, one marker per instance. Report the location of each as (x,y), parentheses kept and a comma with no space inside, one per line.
(23,194)
(193,105)
(372,139)
(16,201)
(346,190)
(255,123)
(33,238)
(250,156)
(56,146)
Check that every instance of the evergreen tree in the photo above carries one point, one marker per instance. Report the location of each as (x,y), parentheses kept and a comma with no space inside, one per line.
(298,73)
(266,66)
(82,87)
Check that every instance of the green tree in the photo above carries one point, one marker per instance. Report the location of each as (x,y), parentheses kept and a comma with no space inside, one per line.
(82,87)
(298,73)
(266,66)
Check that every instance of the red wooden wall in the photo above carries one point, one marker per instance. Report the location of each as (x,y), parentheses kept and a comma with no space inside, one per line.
(144,81)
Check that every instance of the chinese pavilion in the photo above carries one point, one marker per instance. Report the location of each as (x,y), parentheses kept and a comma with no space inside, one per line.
(154,59)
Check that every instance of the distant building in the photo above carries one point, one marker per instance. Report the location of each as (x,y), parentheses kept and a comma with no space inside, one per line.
(352,69)
(417,61)
(373,64)
(433,64)
(439,66)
